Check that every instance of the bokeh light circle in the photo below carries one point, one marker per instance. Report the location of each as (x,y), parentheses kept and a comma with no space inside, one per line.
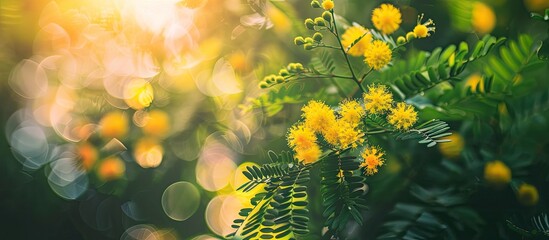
(139,232)
(215,166)
(180,200)
(221,211)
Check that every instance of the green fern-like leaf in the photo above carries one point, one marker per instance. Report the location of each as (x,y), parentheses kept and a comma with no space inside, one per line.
(342,189)
(512,60)
(423,71)
(324,62)
(280,166)
(287,216)
(385,38)
(539,226)
(280,211)
(430,133)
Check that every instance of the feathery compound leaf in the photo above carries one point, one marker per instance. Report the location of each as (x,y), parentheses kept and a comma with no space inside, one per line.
(268,172)
(341,192)
(539,225)
(429,132)
(517,57)
(324,62)
(424,70)
(281,209)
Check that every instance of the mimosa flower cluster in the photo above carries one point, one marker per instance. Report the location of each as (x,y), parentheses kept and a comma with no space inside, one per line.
(343,128)
(358,41)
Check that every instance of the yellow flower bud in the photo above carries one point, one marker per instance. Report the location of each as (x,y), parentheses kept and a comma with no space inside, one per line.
(299,41)
(410,36)
(327,16)
(319,21)
(308,46)
(283,72)
(328,5)
(315,4)
(309,24)
(317,37)
(401,40)
(497,174)
(527,195)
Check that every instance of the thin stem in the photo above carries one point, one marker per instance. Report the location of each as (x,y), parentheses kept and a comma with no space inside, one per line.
(375,132)
(365,75)
(336,33)
(324,76)
(326,46)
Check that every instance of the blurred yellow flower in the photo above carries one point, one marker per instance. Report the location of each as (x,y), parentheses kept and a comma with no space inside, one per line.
(378,99)
(114,125)
(327,5)
(423,30)
(497,174)
(111,168)
(351,111)
(527,195)
(386,18)
(483,18)
(536,5)
(239,61)
(138,94)
(373,159)
(88,155)
(353,33)
(318,116)
(157,124)
(378,55)
(403,116)
(301,137)
(280,20)
(148,153)
(308,155)
(453,148)
(475,83)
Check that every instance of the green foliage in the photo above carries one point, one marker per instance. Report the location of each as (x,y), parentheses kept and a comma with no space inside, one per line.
(385,38)
(461,14)
(281,209)
(513,60)
(324,62)
(434,206)
(429,132)
(424,70)
(272,102)
(342,189)
(522,112)
(539,226)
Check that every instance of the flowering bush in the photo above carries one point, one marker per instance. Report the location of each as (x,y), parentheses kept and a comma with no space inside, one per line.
(263,119)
